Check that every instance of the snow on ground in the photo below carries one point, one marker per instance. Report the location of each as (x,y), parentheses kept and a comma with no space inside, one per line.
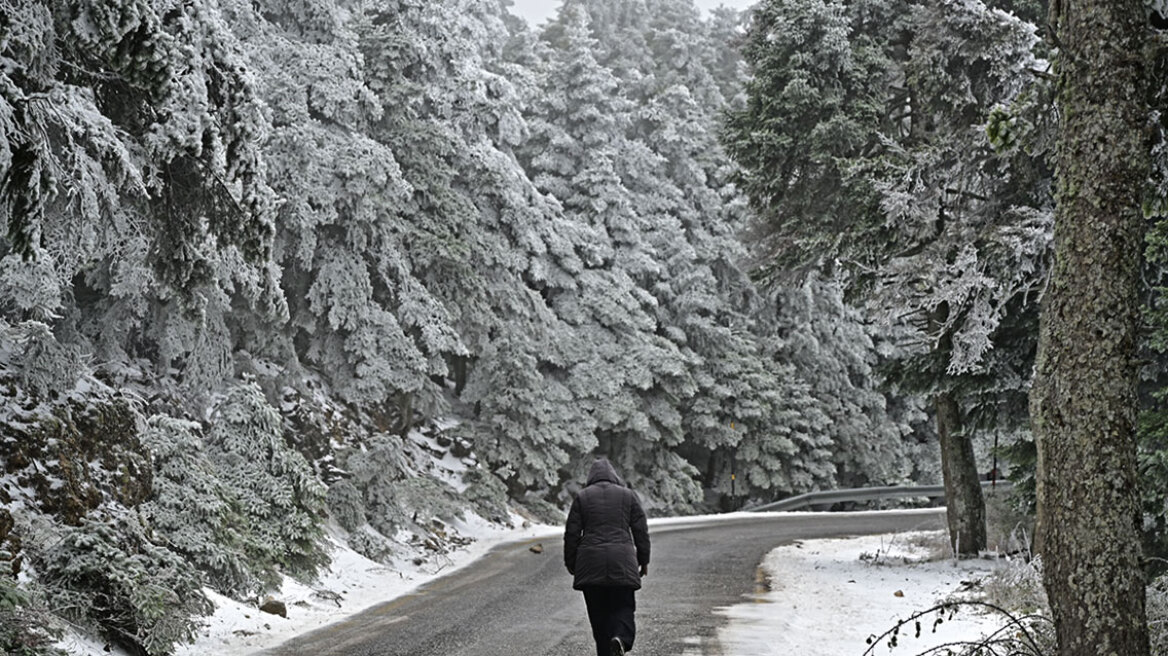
(826,597)
(351,584)
(823,599)
(75,643)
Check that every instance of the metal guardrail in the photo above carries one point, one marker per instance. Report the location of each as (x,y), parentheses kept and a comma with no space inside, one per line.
(867,494)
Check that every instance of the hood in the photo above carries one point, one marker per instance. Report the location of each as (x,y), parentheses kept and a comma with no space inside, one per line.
(602,470)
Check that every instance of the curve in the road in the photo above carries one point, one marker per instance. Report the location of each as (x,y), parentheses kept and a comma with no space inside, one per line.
(514,601)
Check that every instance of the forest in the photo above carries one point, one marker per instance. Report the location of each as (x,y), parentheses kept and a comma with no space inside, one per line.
(265,263)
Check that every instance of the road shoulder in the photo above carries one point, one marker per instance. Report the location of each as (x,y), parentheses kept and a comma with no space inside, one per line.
(827,597)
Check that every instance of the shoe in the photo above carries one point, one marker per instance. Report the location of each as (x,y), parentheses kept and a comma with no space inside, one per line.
(618,648)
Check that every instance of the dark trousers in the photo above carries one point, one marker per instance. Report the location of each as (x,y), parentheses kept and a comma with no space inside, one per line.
(610,611)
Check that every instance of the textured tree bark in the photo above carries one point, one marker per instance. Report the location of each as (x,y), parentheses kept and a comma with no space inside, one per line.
(1083,403)
(964,501)
(405,406)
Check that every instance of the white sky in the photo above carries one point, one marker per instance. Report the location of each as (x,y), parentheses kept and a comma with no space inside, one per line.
(536,11)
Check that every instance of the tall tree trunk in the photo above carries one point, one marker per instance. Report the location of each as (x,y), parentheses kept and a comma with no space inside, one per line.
(405,407)
(1083,403)
(964,501)
(460,369)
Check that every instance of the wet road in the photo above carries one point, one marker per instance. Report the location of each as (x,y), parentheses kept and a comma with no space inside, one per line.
(516,602)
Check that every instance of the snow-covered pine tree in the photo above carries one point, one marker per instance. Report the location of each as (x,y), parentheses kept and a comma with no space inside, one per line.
(528,424)
(139,217)
(707,295)
(342,239)
(905,190)
(580,151)
(836,352)
(275,490)
(727,30)
(133,187)
(194,513)
(672,177)
(484,240)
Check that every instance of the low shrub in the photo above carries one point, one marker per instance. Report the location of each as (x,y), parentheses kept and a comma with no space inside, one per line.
(346,505)
(105,573)
(1157,605)
(1017,585)
(274,489)
(191,511)
(24,631)
(372,545)
(1018,635)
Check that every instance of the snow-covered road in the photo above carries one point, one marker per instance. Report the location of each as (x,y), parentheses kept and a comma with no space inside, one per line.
(516,601)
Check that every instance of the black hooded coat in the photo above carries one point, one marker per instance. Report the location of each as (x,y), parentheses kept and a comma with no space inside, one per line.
(606,539)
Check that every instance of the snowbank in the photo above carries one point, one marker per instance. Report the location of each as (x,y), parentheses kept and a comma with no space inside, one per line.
(827,597)
(352,584)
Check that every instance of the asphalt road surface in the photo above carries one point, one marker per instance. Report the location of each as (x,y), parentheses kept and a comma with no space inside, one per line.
(516,602)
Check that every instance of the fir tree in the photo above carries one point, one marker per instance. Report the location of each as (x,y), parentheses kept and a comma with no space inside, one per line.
(867,147)
(274,489)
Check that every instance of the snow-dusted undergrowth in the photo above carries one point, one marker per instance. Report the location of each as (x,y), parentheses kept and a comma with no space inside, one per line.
(351,584)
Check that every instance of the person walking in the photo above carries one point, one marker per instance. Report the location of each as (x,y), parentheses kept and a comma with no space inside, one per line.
(606,550)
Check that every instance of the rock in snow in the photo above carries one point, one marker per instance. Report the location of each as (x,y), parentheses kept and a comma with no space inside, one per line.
(274,607)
